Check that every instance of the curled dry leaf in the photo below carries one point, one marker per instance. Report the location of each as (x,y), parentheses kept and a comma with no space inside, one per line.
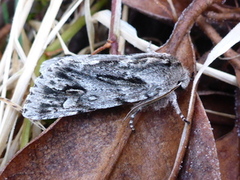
(201,160)
(101,145)
(73,148)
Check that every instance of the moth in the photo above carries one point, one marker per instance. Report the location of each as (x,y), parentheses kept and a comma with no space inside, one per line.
(84,83)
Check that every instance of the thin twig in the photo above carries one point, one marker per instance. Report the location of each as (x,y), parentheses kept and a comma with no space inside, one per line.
(185,23)
(114,30)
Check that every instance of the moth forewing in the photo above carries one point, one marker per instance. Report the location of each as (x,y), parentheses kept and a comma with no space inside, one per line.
(84,83)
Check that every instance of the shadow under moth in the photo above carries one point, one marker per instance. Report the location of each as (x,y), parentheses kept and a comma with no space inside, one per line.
(84,83)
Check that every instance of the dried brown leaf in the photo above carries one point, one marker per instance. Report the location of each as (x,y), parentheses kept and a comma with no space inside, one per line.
(201,161)
(158,8)
(228,153)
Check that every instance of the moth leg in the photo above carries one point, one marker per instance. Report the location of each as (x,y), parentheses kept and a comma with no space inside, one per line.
(132,117)
(173,100)
(170,95)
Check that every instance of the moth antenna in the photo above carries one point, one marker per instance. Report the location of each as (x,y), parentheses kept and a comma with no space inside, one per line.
(149,50)
(12,104)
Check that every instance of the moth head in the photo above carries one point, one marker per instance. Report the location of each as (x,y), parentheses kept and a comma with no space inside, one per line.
(185,78)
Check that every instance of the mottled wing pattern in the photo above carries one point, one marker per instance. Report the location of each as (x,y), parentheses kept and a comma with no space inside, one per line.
(74,84)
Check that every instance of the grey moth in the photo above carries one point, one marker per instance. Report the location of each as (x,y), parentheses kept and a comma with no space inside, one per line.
(84,83)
